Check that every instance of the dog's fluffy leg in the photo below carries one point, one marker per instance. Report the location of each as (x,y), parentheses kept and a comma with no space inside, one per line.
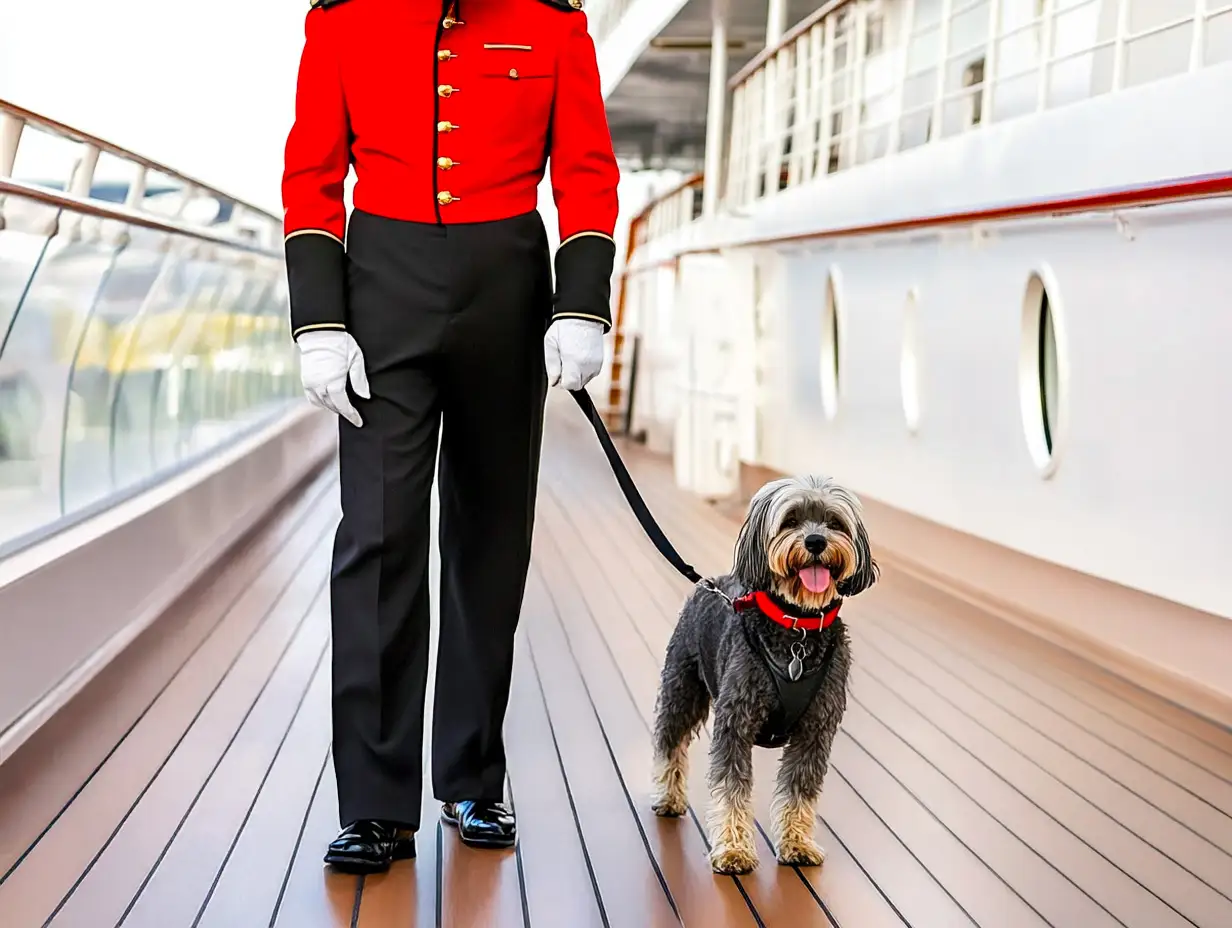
(794,820)
(801,772)
(671,781)
(732,844)
(681,709)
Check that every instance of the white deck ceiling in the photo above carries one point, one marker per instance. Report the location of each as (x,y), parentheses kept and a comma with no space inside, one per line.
(658,110)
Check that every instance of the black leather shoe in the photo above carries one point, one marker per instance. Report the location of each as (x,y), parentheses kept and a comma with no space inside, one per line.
(482,824)
(369,847)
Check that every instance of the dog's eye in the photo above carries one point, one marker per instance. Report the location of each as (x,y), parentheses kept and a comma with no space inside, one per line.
(791,523)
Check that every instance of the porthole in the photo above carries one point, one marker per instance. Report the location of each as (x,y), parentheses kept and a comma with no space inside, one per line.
(830,354)
(1042,373)
(909,364)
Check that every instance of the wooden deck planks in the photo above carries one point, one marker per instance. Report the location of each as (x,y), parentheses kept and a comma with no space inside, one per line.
(982,777)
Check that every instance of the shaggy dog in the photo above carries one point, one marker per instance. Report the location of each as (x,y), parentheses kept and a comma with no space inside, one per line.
(741,645)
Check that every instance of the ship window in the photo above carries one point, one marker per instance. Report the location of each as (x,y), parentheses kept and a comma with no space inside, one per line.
(909,368)
(830,358)
(1041,370)
(874,40)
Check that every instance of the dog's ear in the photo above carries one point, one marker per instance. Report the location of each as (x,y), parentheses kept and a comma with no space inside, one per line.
(866,572)
(750,561)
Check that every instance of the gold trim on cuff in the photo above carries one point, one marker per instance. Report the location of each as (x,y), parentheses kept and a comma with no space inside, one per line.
(314,232)
(587,316)
(317,326)
(583,234)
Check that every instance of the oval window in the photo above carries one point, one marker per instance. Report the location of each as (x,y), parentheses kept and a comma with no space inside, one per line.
(909,365)
(830,361)
(1041,375)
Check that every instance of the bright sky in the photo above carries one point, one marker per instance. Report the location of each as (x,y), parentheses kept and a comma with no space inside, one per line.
(208,89)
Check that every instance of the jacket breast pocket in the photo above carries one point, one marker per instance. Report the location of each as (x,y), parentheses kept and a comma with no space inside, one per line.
(518,83)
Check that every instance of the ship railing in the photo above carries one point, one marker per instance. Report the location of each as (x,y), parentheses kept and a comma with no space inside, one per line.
(668,212)
(861,80)
(142,324)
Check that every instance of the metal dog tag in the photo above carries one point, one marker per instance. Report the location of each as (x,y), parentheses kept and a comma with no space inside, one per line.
(796,668)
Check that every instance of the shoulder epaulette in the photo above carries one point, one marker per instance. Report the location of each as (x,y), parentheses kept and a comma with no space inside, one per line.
(323,4)
(569,6)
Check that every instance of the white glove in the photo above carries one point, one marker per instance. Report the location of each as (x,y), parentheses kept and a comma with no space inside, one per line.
(573,349)
(327,359)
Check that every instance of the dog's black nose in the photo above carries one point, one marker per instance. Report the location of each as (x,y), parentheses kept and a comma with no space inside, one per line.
(815,544)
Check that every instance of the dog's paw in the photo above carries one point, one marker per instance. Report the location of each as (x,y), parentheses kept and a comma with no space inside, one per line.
(733,860)
(801,853)
(670,806)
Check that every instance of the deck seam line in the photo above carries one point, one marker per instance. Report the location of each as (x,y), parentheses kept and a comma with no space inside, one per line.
(309,510)
(1027,798)
(192,723)
(231,743)
(965,656)
(577,823)
(359,897)
(979,805)
(440,875)
(927,809)
(260,789)
(637,712)
(654,861)
(1083,761)
(904,846)
(517,854)
(299,838)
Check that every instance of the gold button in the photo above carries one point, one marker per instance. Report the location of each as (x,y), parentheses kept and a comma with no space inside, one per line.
(445,198)
(445,163)
(513,72)
(445,90)
(576,4)
(445,54)
(449,22)
(445,126)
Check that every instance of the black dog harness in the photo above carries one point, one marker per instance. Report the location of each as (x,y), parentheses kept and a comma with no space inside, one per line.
(796,690)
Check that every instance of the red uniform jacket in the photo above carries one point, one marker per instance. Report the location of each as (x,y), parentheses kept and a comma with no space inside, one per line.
(450,111)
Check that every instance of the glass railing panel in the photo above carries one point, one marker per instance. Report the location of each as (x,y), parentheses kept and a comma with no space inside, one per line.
(96,373)
(37,362)
(186,285)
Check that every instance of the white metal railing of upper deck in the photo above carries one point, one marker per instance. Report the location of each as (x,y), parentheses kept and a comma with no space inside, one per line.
(863,79)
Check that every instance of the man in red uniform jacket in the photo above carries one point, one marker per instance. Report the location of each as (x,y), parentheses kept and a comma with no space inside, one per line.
(435,312)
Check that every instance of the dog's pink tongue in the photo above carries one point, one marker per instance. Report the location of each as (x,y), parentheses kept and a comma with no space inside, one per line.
(815,579)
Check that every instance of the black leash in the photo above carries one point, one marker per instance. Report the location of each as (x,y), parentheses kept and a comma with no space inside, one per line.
(636,503)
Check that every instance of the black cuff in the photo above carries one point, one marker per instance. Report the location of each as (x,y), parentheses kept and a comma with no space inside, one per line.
(316,275)
(584,266)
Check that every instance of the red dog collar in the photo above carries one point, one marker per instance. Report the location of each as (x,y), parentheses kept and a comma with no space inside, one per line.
(766,606)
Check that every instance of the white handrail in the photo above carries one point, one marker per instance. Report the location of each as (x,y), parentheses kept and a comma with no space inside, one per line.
(245,223)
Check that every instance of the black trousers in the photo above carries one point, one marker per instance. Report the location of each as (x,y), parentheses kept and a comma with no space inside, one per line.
(451,322)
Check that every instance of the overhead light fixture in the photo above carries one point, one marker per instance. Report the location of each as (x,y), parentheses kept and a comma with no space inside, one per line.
(685,44)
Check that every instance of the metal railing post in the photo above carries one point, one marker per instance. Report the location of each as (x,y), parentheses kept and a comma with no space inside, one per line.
(943,63)
(715,115)
(904,46)
(1045,60)
(10,136)
(1118,45)
(990,62)
(1197,51)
